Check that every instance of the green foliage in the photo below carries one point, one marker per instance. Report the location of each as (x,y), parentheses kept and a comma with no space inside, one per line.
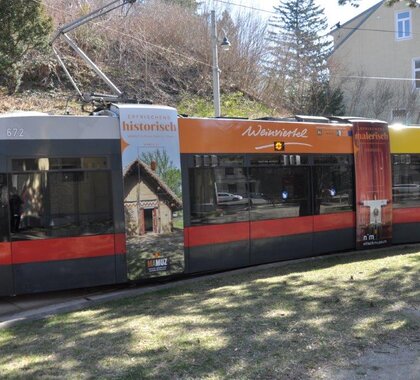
(233,105)
(165,169)
(24,29)
(297,32)
(326,101)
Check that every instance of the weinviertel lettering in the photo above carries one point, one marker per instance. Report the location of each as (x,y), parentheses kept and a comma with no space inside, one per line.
(259,131)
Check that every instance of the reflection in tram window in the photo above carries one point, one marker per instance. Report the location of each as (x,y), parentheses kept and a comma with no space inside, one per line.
(406,180)
(333,187)
(60,204)
(219,194)
(57,163)
(279,192)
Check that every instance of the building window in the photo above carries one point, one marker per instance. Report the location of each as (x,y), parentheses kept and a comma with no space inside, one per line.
(416,73)
(403,25)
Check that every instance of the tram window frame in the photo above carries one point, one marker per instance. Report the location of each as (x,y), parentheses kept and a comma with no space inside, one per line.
(88,221)
(406,189)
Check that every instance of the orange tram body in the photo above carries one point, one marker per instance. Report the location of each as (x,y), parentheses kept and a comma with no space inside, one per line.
(253,192)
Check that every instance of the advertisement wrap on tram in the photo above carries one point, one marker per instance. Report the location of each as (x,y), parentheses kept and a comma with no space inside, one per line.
(152,191)
(373,184)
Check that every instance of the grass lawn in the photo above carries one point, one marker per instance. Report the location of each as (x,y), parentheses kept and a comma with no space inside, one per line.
(282,322)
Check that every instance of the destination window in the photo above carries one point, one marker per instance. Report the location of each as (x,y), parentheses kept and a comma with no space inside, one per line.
(279,159)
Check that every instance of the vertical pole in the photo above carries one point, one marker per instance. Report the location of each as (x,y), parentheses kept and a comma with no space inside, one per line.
(216,71)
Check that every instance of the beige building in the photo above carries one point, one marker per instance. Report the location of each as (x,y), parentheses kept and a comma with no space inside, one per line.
(376,61)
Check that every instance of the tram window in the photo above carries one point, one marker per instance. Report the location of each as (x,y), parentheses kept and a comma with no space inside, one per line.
(279,192)
(406,181)
(60,204)
(55,163)
(333,188)
(406,159)
(218,197)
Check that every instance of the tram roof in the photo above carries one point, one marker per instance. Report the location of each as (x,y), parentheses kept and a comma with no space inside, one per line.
(42,126)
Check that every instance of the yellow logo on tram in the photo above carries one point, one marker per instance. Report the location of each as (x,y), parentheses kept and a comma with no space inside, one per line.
(279,146)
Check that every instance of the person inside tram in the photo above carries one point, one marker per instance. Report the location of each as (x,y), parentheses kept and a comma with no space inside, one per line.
(15,203)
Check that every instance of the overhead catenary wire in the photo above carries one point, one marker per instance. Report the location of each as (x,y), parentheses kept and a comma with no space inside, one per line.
(244,6)
(337,26)
(130,36)
(374,30)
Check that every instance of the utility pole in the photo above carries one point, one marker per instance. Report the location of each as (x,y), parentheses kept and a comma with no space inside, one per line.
(216,71)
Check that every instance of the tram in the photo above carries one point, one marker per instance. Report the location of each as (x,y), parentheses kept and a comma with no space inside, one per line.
(136,192)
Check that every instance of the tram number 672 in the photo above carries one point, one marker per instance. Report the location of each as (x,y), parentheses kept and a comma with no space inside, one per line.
(15,132)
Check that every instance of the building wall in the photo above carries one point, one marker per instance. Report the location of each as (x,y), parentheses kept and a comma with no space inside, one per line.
(373,51)
(148,200)
(165,215)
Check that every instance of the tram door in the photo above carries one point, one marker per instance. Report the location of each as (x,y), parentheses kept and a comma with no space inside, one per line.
(6,270)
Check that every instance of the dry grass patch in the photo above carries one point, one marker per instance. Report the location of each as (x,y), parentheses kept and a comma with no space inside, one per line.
(273,323)
(53,102)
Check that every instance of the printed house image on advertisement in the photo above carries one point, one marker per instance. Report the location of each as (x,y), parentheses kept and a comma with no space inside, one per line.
(149,202)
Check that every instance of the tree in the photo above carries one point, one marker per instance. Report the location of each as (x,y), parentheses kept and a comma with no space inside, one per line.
(24,29)
(297,67)
(165,168)
(326,100)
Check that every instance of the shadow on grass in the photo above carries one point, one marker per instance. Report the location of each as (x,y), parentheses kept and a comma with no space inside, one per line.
(272,323)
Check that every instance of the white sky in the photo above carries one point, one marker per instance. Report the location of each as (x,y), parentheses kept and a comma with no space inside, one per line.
(333,11)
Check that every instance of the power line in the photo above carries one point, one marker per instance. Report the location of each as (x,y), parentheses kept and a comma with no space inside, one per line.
(210,66)
(337,25)
(245,6)
(374,30)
